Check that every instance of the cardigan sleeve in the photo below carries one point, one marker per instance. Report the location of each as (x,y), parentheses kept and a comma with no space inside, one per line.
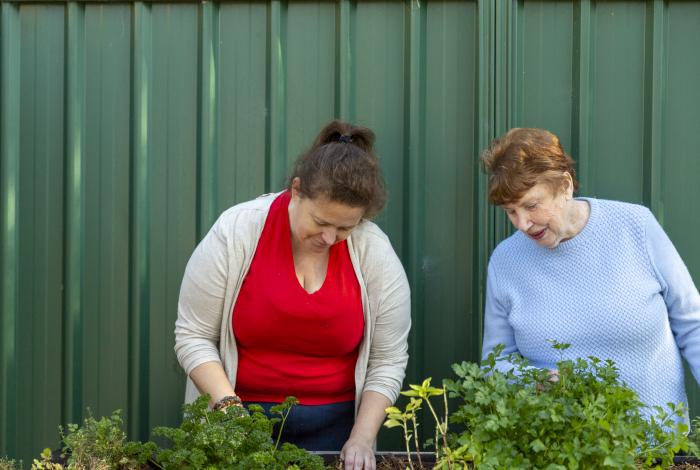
(679,292)
(388,353)
(201,301)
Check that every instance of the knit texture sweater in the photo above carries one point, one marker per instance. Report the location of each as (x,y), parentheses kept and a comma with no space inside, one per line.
(617,290)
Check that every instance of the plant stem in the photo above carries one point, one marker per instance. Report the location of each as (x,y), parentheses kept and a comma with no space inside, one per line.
(408,444)
(444,434)
(279,433)
(442,428)
(415,437)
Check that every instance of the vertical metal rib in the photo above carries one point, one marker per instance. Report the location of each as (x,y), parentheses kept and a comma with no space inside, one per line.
(9,224)
(75,212)
(654,106)
(414,192)
(139,264)
(502,94)
(345,86)
(275,167)
(581,119)
(208,131)
(515,63)
(483,229)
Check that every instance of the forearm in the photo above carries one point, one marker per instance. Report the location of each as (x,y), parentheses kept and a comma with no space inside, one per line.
(370,416)
(211,378)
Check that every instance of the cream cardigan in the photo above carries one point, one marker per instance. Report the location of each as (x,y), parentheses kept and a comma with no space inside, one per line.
(219,264)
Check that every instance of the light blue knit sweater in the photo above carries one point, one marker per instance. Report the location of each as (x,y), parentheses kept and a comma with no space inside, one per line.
(617,290)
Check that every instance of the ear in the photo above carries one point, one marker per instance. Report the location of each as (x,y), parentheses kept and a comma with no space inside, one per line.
(296,185)
(568,185)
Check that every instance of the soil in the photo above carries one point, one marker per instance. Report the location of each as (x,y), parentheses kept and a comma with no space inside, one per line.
(394,462)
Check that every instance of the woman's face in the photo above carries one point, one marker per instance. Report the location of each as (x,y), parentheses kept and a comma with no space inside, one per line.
(544,215)
(319,223)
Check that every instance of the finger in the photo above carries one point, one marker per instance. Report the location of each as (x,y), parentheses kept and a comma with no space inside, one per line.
(369,462)
(350,460)
(359,462)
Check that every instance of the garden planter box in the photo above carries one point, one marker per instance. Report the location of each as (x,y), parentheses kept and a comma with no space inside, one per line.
(397,460)
(385,460)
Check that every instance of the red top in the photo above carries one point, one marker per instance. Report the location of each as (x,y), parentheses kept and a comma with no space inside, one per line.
(291,342)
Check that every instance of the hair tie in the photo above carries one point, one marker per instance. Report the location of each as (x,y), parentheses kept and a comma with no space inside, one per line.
(346,139)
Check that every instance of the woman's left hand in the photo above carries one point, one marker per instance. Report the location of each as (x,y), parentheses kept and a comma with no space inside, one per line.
(357,454)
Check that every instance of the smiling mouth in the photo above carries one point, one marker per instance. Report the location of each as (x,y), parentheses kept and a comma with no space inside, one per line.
(537,235)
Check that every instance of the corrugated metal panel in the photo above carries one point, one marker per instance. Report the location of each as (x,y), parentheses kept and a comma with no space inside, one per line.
(126,128)
(617,81)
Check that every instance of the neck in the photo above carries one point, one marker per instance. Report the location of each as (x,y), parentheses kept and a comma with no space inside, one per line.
(577,216)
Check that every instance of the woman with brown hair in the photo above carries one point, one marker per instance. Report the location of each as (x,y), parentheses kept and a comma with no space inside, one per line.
(600,275)
(298,293)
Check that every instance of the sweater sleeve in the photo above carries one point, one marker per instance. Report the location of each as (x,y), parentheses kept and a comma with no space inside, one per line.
(388,353)
(200,306)
(679,292)
(497,328)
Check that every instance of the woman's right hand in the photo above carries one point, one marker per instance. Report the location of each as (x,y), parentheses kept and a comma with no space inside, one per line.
(553,378)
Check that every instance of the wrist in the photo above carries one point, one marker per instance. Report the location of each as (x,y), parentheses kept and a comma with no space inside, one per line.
(225,402)
(363,437)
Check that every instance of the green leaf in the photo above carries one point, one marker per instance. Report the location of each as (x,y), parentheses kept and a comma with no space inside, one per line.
(537,445)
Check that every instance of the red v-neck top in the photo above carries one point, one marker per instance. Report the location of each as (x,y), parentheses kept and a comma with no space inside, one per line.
(291,342)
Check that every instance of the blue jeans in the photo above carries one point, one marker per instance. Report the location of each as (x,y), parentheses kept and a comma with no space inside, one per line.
(315,427)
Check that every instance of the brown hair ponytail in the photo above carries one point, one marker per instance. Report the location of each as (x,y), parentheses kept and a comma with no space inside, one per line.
(342,166)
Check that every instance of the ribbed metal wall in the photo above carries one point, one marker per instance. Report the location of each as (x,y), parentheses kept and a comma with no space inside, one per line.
(126,128)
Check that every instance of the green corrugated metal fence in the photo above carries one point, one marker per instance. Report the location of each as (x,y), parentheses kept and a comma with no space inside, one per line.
(126,128)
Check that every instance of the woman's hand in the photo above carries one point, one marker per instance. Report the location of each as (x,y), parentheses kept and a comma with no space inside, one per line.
(357,454)
(358,451)
(553,377)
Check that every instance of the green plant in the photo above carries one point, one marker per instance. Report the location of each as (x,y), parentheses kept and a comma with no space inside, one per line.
(9,464)
(102,444)
(44,462)
(583,417)
(407,419)
(695,437)
(234,439)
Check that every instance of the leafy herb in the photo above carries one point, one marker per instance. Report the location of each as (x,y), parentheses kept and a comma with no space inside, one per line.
(9,464)
(233,439)
(582,418)
(695,437)
(102,444)
(419,394)
(45,462)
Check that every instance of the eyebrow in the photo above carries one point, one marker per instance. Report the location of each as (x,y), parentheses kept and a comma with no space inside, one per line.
(322,222)
(524,202)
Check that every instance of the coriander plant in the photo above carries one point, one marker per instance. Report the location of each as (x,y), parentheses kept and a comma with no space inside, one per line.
(585,419)
(581,418)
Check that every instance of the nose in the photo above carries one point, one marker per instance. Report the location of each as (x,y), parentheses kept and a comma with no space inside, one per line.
(520,220)
(329,236)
